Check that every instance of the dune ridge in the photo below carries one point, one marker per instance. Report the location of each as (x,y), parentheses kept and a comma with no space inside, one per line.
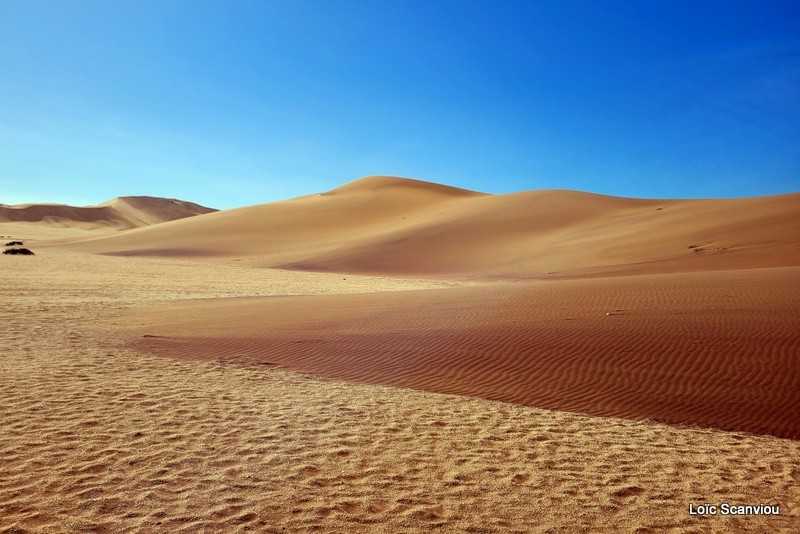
(409,227)
(116,214)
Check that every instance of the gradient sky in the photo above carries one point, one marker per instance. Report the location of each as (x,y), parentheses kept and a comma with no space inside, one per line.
(235,103)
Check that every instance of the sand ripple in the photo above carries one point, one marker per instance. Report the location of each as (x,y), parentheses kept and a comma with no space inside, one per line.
(717,349)
(101,439)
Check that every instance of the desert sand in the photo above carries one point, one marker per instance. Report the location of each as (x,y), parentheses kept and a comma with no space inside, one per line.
(710,349)
(398,356)
(383,225)
(51,220)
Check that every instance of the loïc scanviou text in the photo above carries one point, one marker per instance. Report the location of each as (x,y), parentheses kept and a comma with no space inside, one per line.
(734,509)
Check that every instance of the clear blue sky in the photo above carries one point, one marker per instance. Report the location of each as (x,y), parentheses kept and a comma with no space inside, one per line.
(236,102)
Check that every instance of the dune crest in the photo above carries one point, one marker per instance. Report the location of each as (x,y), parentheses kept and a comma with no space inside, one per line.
(388,225)
(378,183)
(116,214)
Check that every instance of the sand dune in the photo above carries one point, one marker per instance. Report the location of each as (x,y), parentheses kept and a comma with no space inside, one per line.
(700,330)
(399,226)
(170,394)
(292,229)
(144,211)
(117,214)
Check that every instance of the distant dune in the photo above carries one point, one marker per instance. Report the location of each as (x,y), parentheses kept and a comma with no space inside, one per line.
(399,226)
(117,214)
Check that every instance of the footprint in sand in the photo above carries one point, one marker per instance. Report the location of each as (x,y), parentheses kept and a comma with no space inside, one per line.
(627,492)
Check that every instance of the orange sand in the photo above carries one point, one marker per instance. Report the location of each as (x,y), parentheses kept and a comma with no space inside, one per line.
(648,311)
(97,438)
(391,225)
(714,349)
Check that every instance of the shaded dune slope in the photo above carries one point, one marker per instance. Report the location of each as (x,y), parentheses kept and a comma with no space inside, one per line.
(400,226)
(711,349)
(119,213)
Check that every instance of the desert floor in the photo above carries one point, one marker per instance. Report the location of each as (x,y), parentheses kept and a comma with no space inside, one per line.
(103,435)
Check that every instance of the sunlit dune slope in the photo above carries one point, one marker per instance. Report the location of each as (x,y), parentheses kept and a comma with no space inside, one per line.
(117,214)
(395,225)
(292,230)
(143,211)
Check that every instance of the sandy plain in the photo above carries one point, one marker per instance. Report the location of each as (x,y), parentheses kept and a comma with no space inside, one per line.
(146,392)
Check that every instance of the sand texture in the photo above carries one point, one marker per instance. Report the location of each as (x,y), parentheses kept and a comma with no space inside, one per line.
(117,214)
(718,349)
(98,438)
(393,225)
(400,356)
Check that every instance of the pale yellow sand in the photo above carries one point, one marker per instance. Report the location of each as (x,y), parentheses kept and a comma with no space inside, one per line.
(100,439)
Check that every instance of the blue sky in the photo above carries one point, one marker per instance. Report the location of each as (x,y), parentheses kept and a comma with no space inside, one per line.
(235,103)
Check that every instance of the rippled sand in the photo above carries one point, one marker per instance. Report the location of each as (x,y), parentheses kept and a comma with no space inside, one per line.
(107,439)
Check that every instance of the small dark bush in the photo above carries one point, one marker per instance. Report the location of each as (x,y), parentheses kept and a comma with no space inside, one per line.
(24,251)
(13,243)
